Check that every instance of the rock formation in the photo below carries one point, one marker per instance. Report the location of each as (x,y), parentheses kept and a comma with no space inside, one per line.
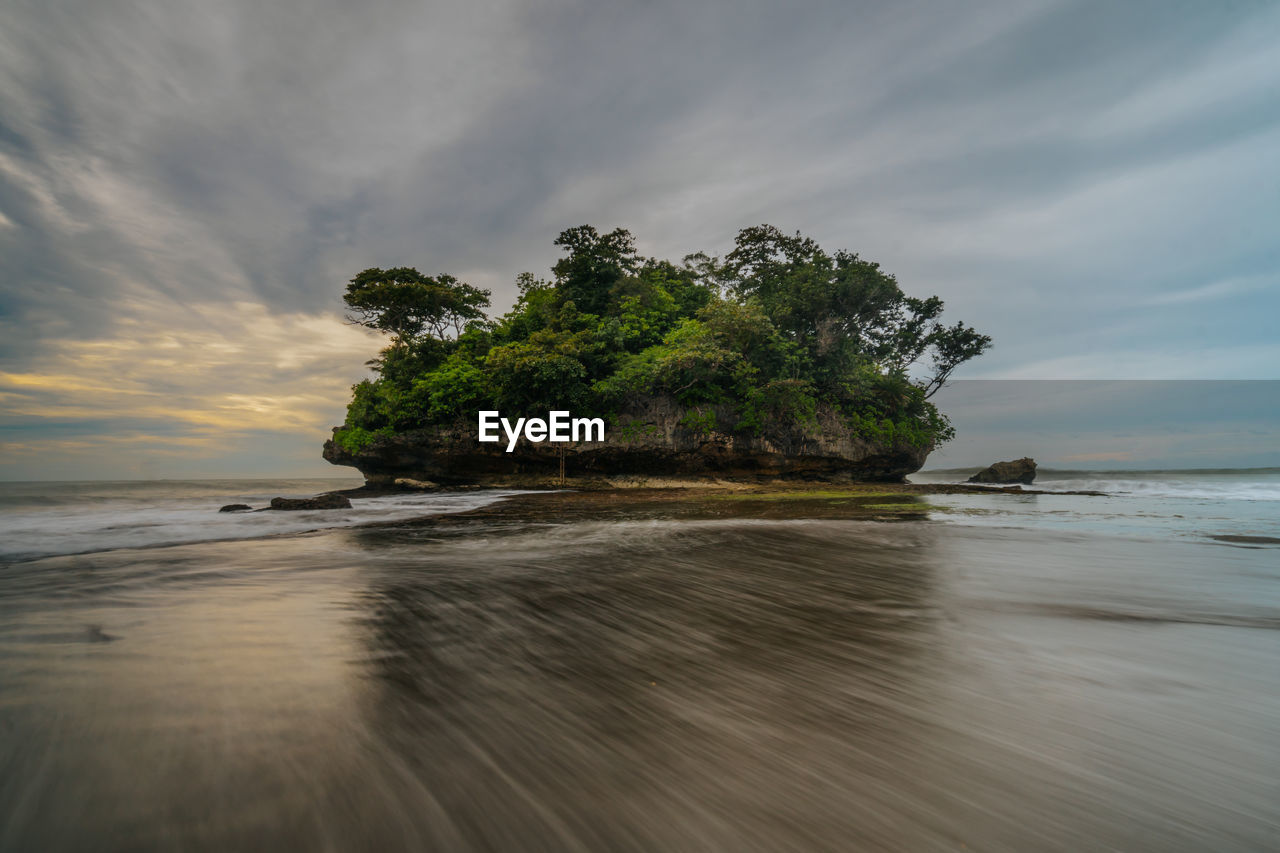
(656,439)
(319,502)
(420,485)
(1018,471)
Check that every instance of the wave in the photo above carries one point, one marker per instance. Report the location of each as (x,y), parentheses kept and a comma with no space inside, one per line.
(87,525)
(1264,620)
(71,493)
(1235,484)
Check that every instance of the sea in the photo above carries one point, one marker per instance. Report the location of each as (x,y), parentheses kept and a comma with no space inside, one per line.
(1191,505)
(1002,672)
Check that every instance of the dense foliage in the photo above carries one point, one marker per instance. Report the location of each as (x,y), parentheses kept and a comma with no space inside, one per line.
(773,332)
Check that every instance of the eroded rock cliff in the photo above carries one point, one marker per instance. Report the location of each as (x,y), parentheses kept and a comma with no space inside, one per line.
(656,439)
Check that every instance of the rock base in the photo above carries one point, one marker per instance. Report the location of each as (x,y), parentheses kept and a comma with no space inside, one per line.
(1018,471)
(656,440)
(321,502)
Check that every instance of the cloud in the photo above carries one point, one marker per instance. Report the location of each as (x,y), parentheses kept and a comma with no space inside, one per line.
(1116,423)
(1081,179)
(1223,289)
(193,379)
(1192,360)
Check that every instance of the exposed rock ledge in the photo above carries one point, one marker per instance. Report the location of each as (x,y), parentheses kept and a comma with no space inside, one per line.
(325,501)
(649,443)
(1018,471)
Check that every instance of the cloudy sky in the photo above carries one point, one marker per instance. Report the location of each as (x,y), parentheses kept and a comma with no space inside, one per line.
(1113,424)
(185,187)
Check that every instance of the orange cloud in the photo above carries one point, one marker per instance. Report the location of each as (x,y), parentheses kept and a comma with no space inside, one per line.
(208,368)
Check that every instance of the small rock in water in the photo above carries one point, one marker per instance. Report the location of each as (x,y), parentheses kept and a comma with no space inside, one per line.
(1018,471)
(236,508)
(319,502)
(408,483)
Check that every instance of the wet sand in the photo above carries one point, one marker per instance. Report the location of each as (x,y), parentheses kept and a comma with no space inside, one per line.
(560,672)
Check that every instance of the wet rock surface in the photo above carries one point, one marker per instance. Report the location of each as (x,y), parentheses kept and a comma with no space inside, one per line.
(418,485)
(320,502)
(1017,471)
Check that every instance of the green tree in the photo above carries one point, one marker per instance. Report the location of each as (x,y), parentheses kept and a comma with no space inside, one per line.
(458,388)
(845,309)
(776,333)
(410,305)
(593,265)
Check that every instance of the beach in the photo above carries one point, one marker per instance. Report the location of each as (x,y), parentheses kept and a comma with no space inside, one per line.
(495,671)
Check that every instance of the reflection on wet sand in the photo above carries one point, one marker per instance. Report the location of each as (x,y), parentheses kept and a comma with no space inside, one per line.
(642,681)
(594,678)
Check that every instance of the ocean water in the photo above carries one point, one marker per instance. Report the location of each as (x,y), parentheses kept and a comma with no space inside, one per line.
(46,519)
(1014,673)
(1194,505)
(1230,484)
(42,519)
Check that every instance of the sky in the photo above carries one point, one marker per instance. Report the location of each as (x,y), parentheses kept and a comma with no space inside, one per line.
(1102,424)
(186,187)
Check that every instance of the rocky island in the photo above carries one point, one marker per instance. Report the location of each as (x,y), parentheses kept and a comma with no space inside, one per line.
(652,443)
(779,361)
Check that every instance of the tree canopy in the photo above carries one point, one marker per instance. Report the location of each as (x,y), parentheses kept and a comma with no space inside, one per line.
(408,304)
(776,329)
